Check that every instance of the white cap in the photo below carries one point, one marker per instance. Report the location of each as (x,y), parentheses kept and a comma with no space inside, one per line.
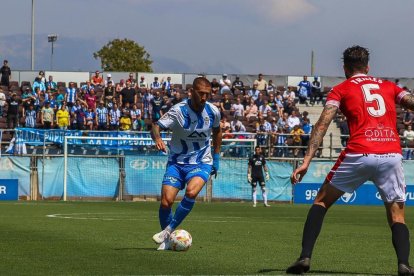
(108,75)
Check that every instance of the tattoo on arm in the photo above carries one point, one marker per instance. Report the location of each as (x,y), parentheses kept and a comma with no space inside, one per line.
(320,129)
(407,101)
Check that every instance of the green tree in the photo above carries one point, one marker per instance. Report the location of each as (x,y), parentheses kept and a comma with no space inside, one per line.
(124,55)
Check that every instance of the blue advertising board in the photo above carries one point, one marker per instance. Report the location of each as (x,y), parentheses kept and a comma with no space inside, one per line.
(367,194)
(9,189)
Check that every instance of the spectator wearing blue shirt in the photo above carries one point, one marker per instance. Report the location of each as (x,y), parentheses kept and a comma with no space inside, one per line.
(304,89)
(155,84)
(254,92)
(38,83)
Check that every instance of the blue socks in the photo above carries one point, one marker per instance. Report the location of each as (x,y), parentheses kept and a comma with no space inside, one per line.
(165,216)
(183,209)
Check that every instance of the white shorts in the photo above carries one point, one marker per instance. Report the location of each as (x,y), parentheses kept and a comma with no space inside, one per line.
(385,170)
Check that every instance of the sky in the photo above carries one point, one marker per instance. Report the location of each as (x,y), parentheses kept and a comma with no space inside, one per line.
(215,36)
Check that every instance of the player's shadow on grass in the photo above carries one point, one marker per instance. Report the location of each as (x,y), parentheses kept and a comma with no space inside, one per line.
(269,270)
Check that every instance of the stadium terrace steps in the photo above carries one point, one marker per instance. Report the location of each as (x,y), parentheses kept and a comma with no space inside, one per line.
(314,113)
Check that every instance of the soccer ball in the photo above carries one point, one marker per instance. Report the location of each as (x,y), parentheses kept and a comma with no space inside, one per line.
(180,240)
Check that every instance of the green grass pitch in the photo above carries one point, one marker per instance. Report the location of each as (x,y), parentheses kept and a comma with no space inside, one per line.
(110,238)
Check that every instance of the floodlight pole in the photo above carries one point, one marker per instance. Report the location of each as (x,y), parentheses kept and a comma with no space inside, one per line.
(33,37)
(51,38)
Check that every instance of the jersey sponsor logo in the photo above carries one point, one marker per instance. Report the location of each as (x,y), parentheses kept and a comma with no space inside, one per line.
(258,163)
(139,164)
(349,197)
(380,134)
(196,134)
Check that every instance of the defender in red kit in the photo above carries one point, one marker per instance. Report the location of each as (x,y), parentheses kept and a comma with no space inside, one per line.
(373,153)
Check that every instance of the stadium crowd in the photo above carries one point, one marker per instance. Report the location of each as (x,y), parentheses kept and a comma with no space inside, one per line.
(259,110)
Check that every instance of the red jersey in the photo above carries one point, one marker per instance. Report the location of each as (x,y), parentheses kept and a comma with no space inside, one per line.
(369,106)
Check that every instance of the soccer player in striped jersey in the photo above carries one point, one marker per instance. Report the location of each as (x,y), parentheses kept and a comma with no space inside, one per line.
(191,160)
(373,153)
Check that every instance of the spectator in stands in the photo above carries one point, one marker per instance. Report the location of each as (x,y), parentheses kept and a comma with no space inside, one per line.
(289,106)
(303,95)
(62,117)
(225,84)
(27,99)
(282,123)
(126,108)
(135,117)
(80,114)
(87,87)
(307,129)
(52,102)
(297,134)
(46,116)
(97,80)
(167,86)
(73,109)
(114,116)
(101,118)
(156,104)
(254,92)
(270,88)
(225,103)
(146,101)
(305,116)
(132,80)
(109,93)
(60,98)
(237,85)
(236,125)
(263,128)
(51,85)
(5,74)
(128,94)
(272,103)
(289,94)
(316,92)
(344,129)
(29,117)
(2,102)
(90,118)
(282,146)
(215,86)
(261,84)
(42,77)
(265,109)
(38,84)
(251,109)
(90,99)
(279,104)
(306,85)
(166,104)
(237,108)
(224,123)
(408,118)
(109,80)
(13,105)
(155,84)
(293,120)
(260,100)
(177,99)
(125,123)
(273,134)
(119,87)
(142,83)
(408,136)
(71,95)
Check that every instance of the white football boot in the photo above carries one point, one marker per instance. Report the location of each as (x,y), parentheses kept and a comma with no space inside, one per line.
(161,237)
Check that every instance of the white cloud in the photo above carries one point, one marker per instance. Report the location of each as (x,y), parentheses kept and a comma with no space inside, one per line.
(286,11)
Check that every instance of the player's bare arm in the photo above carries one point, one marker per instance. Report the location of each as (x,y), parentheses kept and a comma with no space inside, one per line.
(156,136)
(217,137)
(407,101)
(319,131)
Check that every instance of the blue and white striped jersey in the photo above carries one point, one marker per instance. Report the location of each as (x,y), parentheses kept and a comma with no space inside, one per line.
(71,95)
(190,142)
(102,114)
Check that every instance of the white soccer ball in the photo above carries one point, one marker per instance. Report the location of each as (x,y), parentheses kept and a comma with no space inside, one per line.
(180,240)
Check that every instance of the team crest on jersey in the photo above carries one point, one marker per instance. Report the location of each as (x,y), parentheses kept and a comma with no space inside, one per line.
(206,120)
(166,116)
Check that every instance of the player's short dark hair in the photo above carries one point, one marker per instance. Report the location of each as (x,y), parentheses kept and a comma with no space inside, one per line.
(199,81)
(356,58)
(257,147)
